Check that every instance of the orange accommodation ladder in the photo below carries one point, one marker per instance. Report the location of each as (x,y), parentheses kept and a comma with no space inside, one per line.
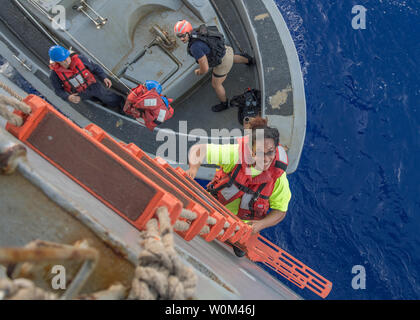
(82,158)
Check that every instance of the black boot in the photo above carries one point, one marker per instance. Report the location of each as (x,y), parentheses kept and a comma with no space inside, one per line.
(220,107)
(238,252)
(251,60)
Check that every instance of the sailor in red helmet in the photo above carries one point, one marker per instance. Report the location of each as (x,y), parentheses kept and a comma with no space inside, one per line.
(252,181)
(207,45)
(76,78)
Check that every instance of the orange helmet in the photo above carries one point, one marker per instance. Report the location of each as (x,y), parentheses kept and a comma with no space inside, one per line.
(182,27)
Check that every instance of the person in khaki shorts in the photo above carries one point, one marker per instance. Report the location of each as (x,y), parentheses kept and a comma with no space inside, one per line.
(207,45)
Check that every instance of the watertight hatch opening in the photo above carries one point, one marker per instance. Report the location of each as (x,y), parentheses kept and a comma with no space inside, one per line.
(145,68)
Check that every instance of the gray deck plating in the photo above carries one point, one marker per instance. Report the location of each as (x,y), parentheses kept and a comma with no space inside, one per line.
(276,72)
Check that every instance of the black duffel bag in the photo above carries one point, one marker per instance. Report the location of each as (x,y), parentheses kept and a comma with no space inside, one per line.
(248,104)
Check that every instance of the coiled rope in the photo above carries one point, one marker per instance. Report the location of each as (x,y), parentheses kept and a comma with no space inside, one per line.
(160,274)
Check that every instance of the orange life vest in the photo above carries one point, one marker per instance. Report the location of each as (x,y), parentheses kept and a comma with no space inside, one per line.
(253,191)
(148,105)
(76,78)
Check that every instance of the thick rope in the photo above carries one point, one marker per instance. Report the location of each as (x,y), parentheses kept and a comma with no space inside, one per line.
(10,91)
(6,102)
(160,274)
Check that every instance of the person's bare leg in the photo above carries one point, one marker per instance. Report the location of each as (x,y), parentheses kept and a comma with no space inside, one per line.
(217,84)
(240,59)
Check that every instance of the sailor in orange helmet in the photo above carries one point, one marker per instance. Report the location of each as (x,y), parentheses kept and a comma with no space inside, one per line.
(252,181)
(207,45)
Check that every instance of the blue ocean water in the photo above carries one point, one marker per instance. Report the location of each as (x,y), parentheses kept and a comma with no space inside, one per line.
(356,191)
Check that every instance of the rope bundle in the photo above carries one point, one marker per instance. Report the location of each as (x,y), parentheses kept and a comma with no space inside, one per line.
(160,273)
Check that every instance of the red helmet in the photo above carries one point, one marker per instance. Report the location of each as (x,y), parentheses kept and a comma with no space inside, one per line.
(182,27)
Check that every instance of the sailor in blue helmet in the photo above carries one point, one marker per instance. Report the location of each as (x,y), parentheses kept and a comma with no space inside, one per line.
(152,84)
(147,102)
(76,78)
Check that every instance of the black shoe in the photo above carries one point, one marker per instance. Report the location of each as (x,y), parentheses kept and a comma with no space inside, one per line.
(121,112)
(220,107)
(251,60)
(238,252)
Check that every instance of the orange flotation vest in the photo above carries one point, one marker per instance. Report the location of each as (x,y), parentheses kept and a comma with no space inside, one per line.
(148,105)
(253,191)
(77,78)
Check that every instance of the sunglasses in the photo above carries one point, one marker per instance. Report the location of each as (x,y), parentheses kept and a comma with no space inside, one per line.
(181,35)
(265,154)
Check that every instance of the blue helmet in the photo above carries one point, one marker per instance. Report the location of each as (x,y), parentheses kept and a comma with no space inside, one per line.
(152,84)
(58,53)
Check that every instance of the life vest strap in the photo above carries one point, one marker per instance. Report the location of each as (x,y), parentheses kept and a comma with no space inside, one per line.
(281,165)
(254,198)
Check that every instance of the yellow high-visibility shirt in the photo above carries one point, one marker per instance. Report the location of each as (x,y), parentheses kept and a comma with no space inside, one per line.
(227,155)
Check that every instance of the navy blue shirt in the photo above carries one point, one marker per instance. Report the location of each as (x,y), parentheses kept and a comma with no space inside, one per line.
(199,49)
(96,70)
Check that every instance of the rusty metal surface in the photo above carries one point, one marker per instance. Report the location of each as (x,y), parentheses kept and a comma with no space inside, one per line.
(10,151)
(38,254)
(9,156)
(31,215)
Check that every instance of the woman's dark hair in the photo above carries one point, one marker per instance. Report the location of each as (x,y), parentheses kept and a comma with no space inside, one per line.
(259,123)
